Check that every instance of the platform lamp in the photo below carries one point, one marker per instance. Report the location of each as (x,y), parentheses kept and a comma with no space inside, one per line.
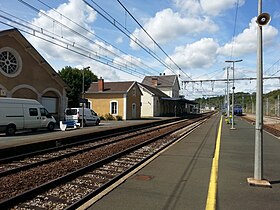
(83,95)
(232,108)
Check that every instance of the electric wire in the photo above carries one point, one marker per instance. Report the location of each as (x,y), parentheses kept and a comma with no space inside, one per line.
(72,30)
(100,14)
(152,39)
(126,32)
(67,47)
(234,28)
(100,38)
(180,70)
(69,43)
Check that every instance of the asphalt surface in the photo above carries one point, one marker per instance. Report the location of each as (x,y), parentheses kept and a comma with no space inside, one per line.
(236,164)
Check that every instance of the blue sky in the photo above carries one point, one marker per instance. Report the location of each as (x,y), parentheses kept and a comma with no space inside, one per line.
(197,35)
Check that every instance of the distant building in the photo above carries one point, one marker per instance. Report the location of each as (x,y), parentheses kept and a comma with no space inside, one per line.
(168,84)
(24,73)
(161,97)
(115,98)
(152,101)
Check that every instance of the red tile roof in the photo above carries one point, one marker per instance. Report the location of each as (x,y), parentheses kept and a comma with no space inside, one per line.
(111,87)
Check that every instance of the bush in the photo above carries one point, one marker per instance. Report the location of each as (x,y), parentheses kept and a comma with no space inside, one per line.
(109,117)
(102,117)
(119,118)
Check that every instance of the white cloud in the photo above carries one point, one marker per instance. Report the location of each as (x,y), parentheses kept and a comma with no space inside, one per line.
(168,25)
(190,7)
(75,10)
(212,8)
(200,54)
(217,7)
(119,40)
(81,14)
(246,42)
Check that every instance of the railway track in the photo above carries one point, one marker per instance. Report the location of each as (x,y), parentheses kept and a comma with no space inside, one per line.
(64,141)
(270,128)
(69,182)
(23,162)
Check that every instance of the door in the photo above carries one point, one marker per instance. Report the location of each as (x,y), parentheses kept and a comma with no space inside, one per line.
(45,117)
(32,117)
(92,117)
(133,111)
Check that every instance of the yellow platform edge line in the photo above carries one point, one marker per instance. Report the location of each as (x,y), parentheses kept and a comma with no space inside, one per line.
(213,184)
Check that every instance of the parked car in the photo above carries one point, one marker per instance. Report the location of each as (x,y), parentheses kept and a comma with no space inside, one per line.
(76,114)
(19,114)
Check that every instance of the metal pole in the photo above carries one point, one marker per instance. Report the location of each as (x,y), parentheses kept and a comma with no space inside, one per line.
(232,108)
(252,104)
(228,106)
(266,106)
(275,108)
(243,105)
(83,97)
(258,167)
(278,99)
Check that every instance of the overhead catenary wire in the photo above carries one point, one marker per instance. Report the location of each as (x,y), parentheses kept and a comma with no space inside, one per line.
(126,32)
(75,32)
(234,28)
(61,15)
(152,38)
(137,22)
(100,38)
(111,55)
(53,38)
(124,29)
(71,48)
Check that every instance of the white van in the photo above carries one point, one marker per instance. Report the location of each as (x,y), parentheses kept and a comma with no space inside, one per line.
(76,114)
(18,114)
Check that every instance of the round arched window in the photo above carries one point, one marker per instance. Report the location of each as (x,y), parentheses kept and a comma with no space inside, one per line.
(10,62)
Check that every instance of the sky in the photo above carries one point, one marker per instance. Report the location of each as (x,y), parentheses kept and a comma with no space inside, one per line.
(125,40)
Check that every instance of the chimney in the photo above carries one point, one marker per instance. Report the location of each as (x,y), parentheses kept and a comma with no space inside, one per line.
(100,84)
(154,81)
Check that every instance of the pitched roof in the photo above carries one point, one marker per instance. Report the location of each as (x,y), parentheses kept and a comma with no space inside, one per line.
(180,99)
(111,87)
(154,91)
(162,80)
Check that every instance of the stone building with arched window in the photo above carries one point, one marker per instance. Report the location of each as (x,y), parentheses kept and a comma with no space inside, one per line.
(24,73)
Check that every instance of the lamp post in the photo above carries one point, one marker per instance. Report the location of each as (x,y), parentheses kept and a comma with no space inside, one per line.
(83,96)
(227,93)
(232,108)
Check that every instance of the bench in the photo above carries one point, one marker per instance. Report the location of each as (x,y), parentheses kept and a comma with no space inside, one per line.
(68,124)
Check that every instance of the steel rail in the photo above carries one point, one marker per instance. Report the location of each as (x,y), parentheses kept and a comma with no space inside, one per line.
(72,147)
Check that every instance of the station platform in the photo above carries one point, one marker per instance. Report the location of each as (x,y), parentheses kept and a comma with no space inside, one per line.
(28,137)
(178,179)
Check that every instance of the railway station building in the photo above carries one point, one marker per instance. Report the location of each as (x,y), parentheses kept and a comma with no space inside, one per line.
(155,97)
(121,99)
(24,73)
(161,97)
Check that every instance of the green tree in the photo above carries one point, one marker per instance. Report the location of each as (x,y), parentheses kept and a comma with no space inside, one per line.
(73,77)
